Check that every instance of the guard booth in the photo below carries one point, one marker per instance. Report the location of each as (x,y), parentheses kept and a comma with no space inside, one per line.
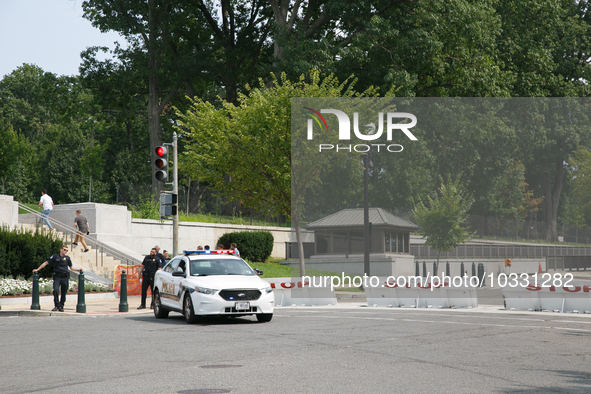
(339,239)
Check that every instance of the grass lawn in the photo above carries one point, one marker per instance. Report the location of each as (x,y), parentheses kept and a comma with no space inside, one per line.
(32,206)
(245,220)
(275,270)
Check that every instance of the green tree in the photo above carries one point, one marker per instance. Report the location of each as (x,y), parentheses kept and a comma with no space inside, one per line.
(43,110)
(442,216)
(248,150)
(579,175)
(14,161)
(427,48)
(148,66)
(544,48)
(551,129)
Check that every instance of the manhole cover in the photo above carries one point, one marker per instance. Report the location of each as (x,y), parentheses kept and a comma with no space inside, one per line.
(220,366)
(203,391)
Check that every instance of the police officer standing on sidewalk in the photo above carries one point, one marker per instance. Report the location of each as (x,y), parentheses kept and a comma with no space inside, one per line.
(160,256)
(61,276)
(150,265)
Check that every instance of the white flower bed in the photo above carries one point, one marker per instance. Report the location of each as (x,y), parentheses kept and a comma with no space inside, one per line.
(22,286)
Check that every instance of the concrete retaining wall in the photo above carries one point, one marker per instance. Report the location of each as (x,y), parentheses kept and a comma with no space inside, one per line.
(8,211)
(380,264)
(112,224)
(397,265)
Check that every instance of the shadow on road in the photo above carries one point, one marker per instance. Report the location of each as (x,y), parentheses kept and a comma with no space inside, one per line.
(178,319)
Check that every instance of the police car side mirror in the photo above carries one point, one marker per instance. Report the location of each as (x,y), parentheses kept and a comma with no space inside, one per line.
(178,273)
(258,271)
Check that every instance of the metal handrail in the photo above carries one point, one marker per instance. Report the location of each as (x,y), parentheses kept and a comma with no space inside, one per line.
(99,246)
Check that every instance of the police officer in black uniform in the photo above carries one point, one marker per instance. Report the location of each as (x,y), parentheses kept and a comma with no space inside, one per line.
(150,265)
(61,276)
(160,256)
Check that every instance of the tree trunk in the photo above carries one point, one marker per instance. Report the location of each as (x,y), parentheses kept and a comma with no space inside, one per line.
(154,130)
(280,9)
(552,189)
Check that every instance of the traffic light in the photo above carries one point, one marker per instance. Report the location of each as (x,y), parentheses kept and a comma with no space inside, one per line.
(507,262)
(168,204)
(161,164)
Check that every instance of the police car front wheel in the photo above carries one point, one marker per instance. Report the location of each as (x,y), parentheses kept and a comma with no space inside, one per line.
(264,317)
(188,310)
(159,312)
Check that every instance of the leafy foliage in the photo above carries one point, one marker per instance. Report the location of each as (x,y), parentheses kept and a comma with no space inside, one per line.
(21,251)
(246,150)
(253,246)
(64,133)
(442,216)
(579,207)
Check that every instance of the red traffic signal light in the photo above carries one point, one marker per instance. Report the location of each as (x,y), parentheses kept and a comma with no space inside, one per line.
(161,151)
(161,164)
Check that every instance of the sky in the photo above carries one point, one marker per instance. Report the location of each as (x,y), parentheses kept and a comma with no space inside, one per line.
(48,33)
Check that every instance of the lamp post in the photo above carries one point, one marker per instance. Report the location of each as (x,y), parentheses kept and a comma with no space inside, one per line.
(367,165)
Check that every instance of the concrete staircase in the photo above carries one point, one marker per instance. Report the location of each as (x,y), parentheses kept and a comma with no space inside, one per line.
(93,261)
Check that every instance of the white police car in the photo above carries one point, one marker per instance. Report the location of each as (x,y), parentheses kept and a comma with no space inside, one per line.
(211,283)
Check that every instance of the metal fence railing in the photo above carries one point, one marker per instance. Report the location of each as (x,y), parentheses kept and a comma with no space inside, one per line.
(195,199)
(101,249)
(501,251)
(568,263)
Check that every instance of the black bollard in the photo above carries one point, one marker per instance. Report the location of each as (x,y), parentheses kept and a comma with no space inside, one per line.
(434,268)
(473,269)
(35,304)
(447,268)
(481,278)
(424,269)
(417,270)
(123,307)
(462,269)
(81,306)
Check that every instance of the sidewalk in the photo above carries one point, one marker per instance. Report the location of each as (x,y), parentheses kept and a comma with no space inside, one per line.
(96,304)
(108,303)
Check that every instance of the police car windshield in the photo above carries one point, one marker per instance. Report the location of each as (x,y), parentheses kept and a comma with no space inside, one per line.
(219,267)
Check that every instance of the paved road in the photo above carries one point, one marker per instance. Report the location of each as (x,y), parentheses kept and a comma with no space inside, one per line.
(350,349)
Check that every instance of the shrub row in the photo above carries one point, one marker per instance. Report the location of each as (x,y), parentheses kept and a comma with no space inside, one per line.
(253,245)
(21,251)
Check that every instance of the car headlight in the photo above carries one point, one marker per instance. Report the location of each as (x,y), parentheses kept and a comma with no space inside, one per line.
(268,289)
(205,290)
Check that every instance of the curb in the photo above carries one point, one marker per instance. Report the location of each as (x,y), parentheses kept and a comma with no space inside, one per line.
(49,299)
(26,313)
(40,313)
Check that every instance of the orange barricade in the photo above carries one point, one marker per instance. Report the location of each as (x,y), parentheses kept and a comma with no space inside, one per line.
(134,283)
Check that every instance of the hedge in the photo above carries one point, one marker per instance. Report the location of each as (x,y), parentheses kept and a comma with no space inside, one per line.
(253,245)
(21,251)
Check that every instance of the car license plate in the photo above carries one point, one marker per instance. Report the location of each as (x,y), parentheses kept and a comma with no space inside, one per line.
(242,306)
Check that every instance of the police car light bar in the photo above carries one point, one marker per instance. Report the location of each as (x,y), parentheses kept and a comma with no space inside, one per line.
(188,252)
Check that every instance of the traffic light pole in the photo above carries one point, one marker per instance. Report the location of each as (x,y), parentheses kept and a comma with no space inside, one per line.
(175,190)
(169,200)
